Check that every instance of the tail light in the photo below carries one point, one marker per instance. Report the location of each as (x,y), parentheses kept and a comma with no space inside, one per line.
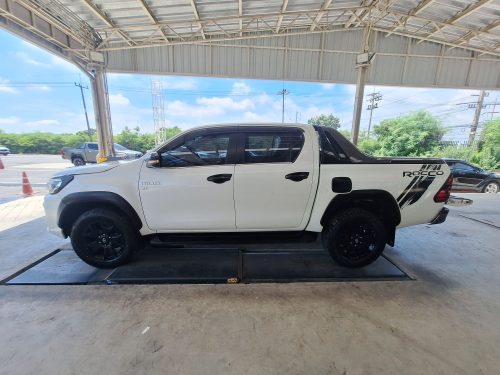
(444,193)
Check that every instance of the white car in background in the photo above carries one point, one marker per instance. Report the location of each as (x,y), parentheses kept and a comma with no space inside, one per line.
(4,151)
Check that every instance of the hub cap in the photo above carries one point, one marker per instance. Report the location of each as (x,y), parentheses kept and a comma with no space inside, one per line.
(358,241)
(104,241)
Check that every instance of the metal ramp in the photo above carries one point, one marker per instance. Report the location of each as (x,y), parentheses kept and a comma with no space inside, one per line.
(204,265)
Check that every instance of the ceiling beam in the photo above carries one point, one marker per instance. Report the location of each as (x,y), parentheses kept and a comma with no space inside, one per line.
(280,17)
(473,33)
(326,4)
(103,16)
(463,13)
(197,17)
(153,18)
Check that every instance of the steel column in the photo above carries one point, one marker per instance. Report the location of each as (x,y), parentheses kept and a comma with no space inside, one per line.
(102,115)
(358,102)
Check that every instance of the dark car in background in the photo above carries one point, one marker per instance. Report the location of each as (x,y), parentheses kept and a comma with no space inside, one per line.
(469,178)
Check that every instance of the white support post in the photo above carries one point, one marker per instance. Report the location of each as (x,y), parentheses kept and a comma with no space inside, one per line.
(102,116)
(358,102)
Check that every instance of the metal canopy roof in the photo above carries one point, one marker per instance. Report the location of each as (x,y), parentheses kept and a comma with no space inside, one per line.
(445,43)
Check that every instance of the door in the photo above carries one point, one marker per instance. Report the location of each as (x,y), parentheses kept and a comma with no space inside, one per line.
(192,189)
(273,179)
(91,152)
(466,177)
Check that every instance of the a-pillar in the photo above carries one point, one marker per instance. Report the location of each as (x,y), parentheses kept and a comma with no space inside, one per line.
(102,113)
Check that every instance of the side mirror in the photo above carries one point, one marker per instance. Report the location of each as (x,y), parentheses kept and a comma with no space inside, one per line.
(153,161)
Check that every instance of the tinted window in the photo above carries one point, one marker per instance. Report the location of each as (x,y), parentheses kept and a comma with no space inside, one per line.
(464,167)
(119,147)
(276,147)
(210,149)
(92,146)
(331,152)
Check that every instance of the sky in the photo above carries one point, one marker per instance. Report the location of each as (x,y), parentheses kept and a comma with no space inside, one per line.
(38,93)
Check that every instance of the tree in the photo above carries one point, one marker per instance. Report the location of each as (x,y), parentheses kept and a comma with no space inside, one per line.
(416,134)
(325,120)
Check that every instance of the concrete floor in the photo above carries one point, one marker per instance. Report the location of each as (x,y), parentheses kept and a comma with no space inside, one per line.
(446,322)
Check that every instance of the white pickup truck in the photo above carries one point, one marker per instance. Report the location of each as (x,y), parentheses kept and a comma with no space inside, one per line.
(285,180)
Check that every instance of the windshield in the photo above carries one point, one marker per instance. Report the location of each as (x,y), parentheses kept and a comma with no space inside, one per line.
(120,147)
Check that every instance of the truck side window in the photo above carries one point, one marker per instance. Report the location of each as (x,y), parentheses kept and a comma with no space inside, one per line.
(209,149)
(275,147)
(92,146)
(331,153)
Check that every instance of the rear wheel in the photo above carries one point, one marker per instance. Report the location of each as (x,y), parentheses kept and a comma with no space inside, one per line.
(491,188)
(354,238)
(78,161)
(103,238)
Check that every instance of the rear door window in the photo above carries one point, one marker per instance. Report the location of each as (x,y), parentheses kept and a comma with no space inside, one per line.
(273,147)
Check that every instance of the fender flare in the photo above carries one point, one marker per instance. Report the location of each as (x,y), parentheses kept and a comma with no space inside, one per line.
(73,204)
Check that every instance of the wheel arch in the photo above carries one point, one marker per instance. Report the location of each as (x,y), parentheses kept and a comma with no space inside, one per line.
(73,205)
(379,202)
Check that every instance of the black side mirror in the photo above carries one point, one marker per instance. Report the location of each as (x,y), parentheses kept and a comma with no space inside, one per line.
(153,161)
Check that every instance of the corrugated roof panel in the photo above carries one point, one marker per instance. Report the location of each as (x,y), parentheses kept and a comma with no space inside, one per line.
(421,71)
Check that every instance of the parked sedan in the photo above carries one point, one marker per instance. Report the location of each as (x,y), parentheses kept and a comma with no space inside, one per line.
(468,177)
(4,150)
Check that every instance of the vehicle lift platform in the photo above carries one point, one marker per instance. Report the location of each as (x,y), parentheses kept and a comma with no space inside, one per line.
(208,264)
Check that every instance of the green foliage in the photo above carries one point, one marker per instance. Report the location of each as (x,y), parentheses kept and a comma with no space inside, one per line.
(134,140)
(368,146)
(416,134)
(325,120)
(486,155)
(49,143)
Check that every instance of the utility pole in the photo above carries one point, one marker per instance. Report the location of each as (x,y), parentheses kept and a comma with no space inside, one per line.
(479,106)
(283,93)
(85,108)
(375,97)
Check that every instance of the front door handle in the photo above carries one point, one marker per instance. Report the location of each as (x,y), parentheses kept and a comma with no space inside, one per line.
(219,178)
(297,176)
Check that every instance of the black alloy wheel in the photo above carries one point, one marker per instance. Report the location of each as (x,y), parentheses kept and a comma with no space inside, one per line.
(355,238)
(103,238)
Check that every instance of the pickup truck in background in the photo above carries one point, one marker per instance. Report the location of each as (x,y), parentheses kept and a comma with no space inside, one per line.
(86,152)
(291,181)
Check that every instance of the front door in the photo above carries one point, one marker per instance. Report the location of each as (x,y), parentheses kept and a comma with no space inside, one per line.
(273,179)
(192,189)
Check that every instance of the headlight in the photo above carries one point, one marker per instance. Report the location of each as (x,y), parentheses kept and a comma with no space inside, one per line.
(56,184)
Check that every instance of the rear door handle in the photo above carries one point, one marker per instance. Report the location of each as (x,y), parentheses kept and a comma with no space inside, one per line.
(297,176)
(219,178)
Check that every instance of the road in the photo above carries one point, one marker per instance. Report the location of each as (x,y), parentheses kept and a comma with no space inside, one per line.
(39,169)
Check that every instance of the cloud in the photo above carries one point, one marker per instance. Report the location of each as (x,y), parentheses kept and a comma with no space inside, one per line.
(328,86)
(24,57)
(119,100)
(37,123)
(179,84)
(226,104)
(43,88)
(12,120)
(6,88)
(240,88)
(60,62)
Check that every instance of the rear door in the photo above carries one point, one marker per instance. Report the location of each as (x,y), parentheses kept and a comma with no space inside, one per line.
(273,178)
(466,177)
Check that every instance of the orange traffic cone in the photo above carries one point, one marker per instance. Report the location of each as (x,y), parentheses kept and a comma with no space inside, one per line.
(1,164)
(27,189)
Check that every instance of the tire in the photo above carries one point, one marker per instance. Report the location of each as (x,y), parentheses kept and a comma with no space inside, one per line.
(78,161)
(491,188)
(103,238)
(354,238)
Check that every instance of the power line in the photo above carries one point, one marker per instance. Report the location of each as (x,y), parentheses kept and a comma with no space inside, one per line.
(375,97)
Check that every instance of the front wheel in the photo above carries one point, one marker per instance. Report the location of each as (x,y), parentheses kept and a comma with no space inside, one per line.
(491,188)
(103,238)
(354,238)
